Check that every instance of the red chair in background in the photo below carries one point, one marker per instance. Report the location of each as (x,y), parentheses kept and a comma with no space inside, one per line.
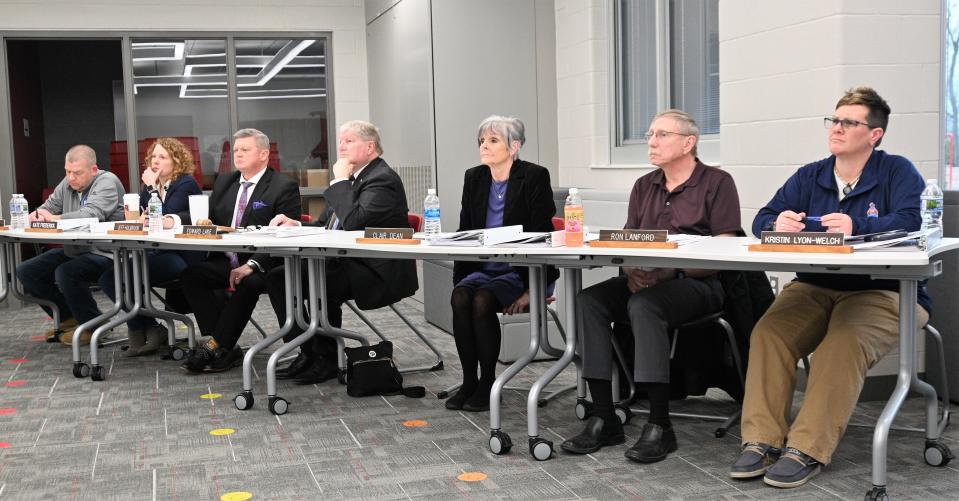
(559,223)
(415,221)
(306,218)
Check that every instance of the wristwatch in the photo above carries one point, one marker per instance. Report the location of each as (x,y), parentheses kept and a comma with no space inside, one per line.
(253,264)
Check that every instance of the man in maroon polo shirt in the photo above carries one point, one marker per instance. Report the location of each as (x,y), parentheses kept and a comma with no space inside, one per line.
(682,196)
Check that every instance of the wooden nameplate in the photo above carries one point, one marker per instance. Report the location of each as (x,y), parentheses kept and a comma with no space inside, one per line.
(201,237)
(393,241)
(4,228)
(135,229)
(820,249)
(128,232)
(43,230)
(633,245)
(204,232)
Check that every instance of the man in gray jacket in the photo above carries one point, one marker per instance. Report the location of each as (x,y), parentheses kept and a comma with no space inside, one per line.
(64,275)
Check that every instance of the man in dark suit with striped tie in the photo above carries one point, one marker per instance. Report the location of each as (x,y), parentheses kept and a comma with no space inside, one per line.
(252,195)
(365,192)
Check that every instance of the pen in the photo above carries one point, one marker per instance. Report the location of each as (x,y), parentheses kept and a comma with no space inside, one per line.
(813,218)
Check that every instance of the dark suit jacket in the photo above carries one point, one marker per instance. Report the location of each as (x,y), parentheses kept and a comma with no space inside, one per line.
(274,194)
(376,199)
(178,202)
(529,202)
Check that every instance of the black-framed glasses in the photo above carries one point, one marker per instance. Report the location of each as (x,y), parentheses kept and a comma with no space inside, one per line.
(662,134)
(844,123)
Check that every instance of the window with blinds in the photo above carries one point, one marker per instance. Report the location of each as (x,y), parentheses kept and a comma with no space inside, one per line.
(668,57)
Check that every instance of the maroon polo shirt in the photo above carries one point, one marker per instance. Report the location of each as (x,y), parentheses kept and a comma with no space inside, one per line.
(706,204)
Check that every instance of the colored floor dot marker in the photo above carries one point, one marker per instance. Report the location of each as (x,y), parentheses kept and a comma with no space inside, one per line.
(7,410)
(17,360)
(38,338)
(4,445)
(211,395)
(415,423)
(219,432)
(472,476)
(16,382)
(236,496)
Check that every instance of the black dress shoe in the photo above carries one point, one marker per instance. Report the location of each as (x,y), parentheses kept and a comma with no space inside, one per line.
(479,400)
(597,434)
(654,444)
(456,402)
(300,364)
(225,359)
(317,373)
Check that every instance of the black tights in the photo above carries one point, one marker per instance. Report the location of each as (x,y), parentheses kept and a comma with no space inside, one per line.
(477,334)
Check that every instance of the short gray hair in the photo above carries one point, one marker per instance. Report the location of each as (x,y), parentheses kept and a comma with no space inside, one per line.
(686,122)
(366,131)
(510,128)
(81,152)
(260,139)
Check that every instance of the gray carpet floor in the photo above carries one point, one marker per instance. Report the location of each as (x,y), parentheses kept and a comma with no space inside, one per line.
(144,433)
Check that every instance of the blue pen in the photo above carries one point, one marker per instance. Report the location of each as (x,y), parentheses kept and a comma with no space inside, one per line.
(813,218)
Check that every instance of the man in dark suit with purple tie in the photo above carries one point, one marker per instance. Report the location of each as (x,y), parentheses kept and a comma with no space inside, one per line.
(252,195)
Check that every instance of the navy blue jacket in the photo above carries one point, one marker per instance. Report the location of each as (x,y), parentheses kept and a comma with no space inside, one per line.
(177,202)
(890,182)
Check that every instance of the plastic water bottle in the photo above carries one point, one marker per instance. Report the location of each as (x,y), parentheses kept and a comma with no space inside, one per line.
(574,219)
(931,206)
(431,215)
(155,212)
(24,211)
(15,208)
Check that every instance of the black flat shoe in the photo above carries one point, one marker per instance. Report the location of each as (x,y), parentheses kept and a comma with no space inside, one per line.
(595,436)
(479,400)
(455,402)
(300,364)
(654,444)
(318,373)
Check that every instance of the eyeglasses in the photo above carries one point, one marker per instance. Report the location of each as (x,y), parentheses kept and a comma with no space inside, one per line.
(844,123)
(662,134)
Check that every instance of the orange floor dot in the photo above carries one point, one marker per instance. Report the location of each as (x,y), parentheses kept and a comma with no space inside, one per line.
(219,432)
(211,395)
(38,338)
(236,496)
(415,423)
(7,410)
(16,382)
(17,360)
(472,476)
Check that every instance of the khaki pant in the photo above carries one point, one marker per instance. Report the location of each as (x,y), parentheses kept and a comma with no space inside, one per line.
(849,331)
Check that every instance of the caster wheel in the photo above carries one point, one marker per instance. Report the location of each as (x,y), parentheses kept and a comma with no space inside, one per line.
(584,408)
(542,403)
(540,448)
(98,373)
(177,354)
(341,375)
(278,406)
(877,494)
(623,413)
(720,432)
(243,400)
(499,442)
(937,453)
(443,394)
(80,369)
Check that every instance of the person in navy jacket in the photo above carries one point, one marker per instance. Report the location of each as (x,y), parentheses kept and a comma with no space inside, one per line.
(169,174)
(850,321)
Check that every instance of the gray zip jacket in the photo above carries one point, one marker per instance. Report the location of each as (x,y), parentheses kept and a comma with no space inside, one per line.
(102,200)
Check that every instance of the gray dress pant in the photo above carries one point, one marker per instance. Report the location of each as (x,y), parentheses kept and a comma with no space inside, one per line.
(651,313)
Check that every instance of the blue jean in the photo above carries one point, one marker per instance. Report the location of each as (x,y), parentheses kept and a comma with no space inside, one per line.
(64,280)
(164,266)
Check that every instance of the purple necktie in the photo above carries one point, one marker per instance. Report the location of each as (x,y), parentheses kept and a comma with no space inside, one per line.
(237,217)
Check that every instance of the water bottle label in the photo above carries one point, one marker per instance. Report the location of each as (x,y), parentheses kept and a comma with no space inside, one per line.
(432,213)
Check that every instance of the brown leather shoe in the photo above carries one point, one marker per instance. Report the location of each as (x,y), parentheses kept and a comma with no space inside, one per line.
(66,325)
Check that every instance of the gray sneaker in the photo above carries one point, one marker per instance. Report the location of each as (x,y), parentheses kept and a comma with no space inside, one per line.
(754,460)
(793,469)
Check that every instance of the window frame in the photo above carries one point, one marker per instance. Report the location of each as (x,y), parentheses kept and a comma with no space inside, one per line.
(629,153)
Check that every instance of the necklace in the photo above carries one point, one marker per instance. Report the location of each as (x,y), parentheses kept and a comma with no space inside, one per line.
(847,189)
(499,189)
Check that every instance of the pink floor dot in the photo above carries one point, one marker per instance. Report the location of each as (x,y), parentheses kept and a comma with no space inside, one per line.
(38,338)
(16,382)
(7,410)
(17,360)
(4,445)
